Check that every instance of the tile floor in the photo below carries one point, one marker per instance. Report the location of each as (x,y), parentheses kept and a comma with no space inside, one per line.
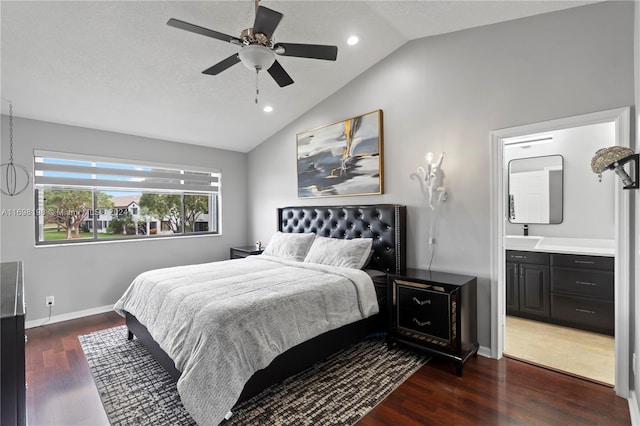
(576,352)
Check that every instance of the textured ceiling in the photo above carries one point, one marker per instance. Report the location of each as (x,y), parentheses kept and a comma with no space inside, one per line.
(117,66)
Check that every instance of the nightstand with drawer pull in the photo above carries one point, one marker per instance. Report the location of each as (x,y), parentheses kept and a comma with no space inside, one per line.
(244,251)
(435,312)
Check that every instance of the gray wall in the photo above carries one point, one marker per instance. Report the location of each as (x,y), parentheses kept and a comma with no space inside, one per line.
(88,276)
(446,93)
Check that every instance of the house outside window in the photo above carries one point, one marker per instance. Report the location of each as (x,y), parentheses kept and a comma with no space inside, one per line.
(80,198)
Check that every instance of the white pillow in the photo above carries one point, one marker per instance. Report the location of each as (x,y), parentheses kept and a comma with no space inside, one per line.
(345,253)
(289,246)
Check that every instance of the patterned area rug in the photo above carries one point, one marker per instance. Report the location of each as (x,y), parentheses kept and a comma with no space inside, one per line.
(136,390)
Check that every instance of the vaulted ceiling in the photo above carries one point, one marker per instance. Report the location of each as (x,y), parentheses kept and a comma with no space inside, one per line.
(117,66)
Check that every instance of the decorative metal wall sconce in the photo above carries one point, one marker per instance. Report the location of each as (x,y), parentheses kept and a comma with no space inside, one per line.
(614,158)
(12,172)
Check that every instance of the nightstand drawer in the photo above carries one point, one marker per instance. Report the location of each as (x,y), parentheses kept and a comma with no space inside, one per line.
(418,298)
(424,311)
(424,322)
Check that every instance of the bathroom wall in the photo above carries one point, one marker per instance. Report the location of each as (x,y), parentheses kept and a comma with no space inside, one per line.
(582,192)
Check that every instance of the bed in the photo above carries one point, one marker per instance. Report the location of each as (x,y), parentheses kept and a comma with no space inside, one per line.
(384,224)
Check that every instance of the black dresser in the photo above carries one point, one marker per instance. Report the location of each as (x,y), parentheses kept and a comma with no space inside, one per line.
(12,356)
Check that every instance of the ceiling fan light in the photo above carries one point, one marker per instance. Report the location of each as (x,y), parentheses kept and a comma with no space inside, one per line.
(257,57)
(353,40)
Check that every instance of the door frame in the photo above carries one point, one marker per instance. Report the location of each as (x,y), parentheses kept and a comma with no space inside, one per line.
(621,117)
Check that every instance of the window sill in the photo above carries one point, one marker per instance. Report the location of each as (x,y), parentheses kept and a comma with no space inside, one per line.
(124,240)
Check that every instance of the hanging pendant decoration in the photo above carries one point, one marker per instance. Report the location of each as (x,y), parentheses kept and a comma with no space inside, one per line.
(257,89)
(12,173)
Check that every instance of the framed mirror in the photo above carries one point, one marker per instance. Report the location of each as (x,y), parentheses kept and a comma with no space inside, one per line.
(536,190)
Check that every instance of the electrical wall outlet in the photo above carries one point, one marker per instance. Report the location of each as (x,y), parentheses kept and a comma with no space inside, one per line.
(49,301)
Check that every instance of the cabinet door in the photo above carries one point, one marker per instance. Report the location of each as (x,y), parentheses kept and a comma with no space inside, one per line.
(534,290)
(513,297)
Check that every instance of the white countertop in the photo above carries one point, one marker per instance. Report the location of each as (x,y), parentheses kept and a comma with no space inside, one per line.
(580,246)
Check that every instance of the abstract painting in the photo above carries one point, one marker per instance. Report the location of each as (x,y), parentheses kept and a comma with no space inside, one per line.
(343,158)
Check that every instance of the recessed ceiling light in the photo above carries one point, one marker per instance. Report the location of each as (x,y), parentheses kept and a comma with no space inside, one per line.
(268,108)
(354,39)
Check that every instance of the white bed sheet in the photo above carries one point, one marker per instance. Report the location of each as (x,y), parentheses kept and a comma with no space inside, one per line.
(221,322)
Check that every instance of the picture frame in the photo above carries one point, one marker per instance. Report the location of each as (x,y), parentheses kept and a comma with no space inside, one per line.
(344,158)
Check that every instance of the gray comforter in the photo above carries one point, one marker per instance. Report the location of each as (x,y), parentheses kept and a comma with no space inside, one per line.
(221,322)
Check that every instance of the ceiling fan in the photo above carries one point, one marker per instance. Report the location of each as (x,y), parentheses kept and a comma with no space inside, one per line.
(257,49)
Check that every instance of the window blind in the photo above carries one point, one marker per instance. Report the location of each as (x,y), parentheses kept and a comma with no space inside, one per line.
(80,171)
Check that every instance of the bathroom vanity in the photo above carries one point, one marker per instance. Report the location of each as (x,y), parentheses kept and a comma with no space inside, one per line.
(568,281)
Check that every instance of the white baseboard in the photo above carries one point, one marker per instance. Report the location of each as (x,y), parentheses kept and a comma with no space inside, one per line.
(68,316)
(634,412)
(484,351)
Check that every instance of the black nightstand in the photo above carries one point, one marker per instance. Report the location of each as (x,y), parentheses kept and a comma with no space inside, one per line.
(435,312)
(243,251)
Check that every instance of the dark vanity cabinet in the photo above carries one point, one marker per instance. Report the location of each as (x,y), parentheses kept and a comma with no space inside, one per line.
(571,290)
(582,292)
(12,350)
(528,285)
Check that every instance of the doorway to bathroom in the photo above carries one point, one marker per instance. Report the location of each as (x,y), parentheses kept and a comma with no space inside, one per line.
(544,310)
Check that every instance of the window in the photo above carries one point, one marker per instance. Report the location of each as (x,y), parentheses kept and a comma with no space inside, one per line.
(84,199)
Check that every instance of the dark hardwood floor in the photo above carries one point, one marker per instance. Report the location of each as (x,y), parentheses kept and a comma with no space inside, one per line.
(61,390)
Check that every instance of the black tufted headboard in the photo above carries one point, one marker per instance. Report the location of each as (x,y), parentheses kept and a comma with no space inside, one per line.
(385,223)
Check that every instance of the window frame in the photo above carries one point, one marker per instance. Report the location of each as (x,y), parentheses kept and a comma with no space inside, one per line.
(213,196)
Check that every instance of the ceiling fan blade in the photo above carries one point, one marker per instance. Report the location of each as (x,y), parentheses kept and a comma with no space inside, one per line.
(314,51)
(280,75)
(202,31)
(266,21)
(222,65)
